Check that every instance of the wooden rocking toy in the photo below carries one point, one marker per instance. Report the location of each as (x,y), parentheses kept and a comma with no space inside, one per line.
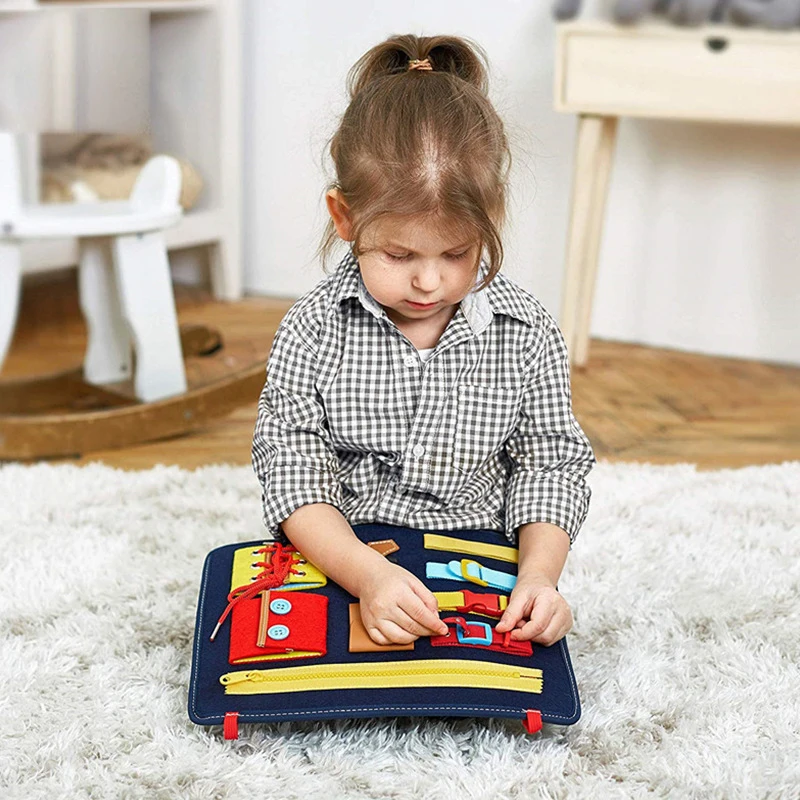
(133,386)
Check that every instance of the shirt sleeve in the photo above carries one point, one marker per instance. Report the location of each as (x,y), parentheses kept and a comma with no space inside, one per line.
(551,454)
(292,453)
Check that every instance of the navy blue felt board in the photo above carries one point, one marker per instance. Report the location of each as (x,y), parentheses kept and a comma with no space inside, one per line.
(558,703)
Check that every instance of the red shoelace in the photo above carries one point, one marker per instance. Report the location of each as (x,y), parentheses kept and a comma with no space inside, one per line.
(274,573)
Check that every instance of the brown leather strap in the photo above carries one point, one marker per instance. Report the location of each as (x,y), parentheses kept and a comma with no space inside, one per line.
(385,546)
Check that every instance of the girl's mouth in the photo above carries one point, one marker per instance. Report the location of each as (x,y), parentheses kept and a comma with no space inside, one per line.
(420,305)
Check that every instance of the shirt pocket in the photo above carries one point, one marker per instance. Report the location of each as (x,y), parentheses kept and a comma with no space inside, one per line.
(485,416)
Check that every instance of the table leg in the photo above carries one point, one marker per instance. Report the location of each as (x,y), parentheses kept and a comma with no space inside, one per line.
(109,348)
(225,258)
(10,289)
(594,150)
(148,305)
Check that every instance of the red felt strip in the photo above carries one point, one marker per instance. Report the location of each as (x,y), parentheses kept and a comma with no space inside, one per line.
(230,725)
(501,643)
(533,721)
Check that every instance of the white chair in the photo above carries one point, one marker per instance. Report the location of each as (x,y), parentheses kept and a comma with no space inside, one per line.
(124,279)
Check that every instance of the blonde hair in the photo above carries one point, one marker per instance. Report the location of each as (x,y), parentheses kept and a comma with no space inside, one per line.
(422,142)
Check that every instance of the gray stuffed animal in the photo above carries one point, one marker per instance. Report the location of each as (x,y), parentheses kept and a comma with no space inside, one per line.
(627,12)
(696,12)
(766,13)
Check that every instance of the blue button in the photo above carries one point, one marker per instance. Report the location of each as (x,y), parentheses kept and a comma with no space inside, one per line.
(280,605)
(278,632)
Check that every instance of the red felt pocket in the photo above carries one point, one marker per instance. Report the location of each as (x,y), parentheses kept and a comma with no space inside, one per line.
(291,624)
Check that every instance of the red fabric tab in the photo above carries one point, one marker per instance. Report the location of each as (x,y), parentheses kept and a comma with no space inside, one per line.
(230,725)
(302,627)
(533,721)
(501,643)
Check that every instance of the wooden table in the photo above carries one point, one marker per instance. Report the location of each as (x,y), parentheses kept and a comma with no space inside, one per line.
(604,71)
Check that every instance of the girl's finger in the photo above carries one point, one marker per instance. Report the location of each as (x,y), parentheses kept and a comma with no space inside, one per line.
(426,595)
(393,633)
(408,623)
(543,613)
(513,614)
(424,615)
(507,621)
(376,636)
(556,630)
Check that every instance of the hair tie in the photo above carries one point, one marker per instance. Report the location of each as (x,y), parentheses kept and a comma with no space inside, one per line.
(417,63)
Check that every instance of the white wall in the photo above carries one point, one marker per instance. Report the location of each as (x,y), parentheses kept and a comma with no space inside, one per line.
(700,250)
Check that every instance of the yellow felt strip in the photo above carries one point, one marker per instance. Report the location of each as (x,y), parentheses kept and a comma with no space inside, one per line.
(244,572)
(433,541)
(449,601)
(275,656)
(385,675)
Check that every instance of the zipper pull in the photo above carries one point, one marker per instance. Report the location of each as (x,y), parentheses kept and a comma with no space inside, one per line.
(231,678)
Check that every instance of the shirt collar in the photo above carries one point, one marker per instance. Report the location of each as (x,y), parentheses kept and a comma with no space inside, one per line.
(499,297)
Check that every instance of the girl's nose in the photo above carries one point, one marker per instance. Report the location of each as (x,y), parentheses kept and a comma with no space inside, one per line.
(426,278)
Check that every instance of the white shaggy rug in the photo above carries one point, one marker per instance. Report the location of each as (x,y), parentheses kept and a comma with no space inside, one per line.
(685,588)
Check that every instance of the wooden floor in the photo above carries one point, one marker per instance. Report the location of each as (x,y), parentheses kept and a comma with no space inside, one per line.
(635,403)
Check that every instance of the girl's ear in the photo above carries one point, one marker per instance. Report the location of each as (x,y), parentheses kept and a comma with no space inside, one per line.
(340,214)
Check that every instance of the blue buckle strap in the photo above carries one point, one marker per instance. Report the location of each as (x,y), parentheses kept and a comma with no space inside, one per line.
(472,572)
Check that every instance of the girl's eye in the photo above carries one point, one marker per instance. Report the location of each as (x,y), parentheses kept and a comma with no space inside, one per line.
(450,256)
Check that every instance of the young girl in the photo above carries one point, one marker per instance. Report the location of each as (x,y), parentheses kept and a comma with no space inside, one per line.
(416,386)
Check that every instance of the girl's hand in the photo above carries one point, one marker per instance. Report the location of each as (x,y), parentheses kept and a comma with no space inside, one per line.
(537,611)
(397,608)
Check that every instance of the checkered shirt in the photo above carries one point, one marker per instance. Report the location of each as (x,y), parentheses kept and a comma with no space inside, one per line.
(480,436)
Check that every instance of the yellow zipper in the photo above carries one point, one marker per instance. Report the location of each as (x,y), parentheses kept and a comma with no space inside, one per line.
(385,675)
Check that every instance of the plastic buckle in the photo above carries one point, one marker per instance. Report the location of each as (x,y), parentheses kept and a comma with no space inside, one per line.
(485,639)
(465,564)
(463,630)
(477,604)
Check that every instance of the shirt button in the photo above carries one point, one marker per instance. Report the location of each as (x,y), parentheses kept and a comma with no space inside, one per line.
(418,450)
(278,632)
(410,361)
(280,606)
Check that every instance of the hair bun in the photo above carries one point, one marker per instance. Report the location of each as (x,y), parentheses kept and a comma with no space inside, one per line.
(458,56)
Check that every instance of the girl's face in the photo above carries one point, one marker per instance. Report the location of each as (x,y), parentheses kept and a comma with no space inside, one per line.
(418,274)
(418,271)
